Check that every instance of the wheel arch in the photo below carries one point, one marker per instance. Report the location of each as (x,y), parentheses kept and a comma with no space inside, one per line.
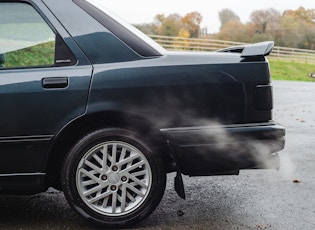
(88,123)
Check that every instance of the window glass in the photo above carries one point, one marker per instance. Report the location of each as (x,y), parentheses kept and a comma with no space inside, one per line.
(100,4)
(25,38)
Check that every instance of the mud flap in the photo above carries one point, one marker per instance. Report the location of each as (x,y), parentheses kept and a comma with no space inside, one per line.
(179,185)
(178,180)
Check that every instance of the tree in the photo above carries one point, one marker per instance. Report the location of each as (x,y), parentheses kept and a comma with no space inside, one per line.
(183,33)
(191,23)
(235,31)
(181,41)
(174,25)
(310,39)
(298,28)
(266,19)
(147,28)
(293,30)
(226,16)
(303,14)
(168,26)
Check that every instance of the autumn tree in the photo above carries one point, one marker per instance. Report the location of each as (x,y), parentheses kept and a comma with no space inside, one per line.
(147,28)
(168,25)
(191,23)
(307,15)
(304,24)
(235,31)
(174,25)
(181,41)
(293,28)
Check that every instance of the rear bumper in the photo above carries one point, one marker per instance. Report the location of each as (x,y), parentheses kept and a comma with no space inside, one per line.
(215,150)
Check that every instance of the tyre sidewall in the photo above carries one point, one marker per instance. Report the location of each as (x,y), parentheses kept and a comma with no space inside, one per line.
(72,160)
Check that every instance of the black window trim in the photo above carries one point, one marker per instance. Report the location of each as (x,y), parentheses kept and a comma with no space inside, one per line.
(63,56)
(133,41)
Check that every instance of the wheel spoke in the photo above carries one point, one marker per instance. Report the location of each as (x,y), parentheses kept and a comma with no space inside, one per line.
(114,202)
(89,175)
(97,198)
(136,180)
(122,154)
(104,153)
(105,202)
(139,173)
(95,189)
(132,167)
(88,182)
(128,160)
(114,154)
(135,190)
(123,198)
(92,166)
(130,197)
(98,159)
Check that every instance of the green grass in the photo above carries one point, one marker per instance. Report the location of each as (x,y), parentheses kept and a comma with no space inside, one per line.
(292,71)
(39,55)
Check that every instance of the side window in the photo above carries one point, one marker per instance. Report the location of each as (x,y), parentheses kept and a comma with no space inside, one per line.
(25,38)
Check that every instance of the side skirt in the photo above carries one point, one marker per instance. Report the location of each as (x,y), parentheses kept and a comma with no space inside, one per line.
(22,183)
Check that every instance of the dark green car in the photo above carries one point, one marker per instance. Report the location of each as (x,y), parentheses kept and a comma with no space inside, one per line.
(93,107)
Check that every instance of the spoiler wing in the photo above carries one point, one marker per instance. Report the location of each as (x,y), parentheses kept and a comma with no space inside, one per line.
(253,50)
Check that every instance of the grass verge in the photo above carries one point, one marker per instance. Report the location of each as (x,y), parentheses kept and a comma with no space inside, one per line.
(292,71)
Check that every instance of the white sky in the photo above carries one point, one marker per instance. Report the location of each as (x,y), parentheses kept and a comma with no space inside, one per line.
(143,11)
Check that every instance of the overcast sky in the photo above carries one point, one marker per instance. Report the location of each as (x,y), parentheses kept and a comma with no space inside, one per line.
(143,11)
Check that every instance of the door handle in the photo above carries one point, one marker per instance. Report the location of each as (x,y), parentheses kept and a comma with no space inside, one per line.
(55,82)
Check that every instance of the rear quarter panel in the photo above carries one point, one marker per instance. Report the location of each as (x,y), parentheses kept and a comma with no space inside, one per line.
(170,91)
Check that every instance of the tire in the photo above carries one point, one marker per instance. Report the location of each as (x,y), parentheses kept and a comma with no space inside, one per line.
(113,178)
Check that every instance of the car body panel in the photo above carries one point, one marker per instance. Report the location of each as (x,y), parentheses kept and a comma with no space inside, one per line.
(23,118)
(182,97)
(32,113)
(164,92)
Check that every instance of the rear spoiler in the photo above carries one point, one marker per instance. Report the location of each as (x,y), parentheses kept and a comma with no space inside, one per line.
(253,50)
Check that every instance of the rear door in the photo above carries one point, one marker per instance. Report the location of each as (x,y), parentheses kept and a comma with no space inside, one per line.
(44,83)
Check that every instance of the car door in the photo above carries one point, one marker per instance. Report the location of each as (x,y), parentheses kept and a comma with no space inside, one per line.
(44,84)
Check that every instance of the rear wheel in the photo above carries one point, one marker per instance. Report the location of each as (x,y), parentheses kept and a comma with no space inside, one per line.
(113,178)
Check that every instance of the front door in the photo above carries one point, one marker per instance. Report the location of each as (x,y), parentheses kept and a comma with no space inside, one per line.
(43,85)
